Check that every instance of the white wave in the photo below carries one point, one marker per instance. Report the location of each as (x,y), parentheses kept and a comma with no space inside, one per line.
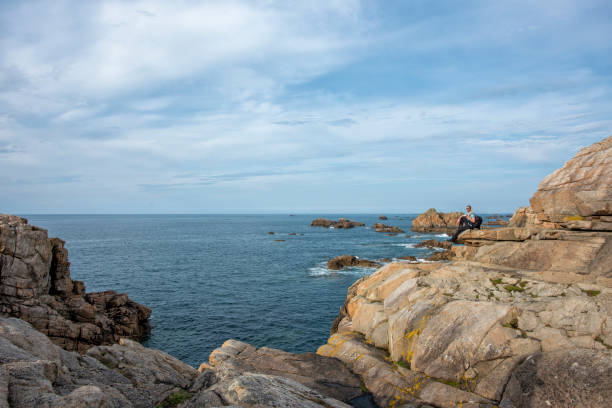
(404,245)
(423,260)
(317,271)
(443,235)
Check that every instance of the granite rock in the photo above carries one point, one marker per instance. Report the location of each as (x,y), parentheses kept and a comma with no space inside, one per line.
(35,285)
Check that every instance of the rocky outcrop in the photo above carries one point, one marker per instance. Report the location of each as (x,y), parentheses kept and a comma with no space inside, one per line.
(521,318)
(344,261)
(34,372)
(382,217)
(434,221)
(342,223)
(434,243)
(579,191)
(387,228)
(461,333)
(35,285)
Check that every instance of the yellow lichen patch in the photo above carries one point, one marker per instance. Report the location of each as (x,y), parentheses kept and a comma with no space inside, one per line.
(359,357)
(573,218)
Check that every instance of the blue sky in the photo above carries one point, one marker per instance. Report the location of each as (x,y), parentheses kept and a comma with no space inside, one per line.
(319,106)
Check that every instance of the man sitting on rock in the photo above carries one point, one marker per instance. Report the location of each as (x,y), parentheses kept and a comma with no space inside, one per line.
(465,222)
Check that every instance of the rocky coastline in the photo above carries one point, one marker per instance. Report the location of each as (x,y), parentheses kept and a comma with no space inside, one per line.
(521,317)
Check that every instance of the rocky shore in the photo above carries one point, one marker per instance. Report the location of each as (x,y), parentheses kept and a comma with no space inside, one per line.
(521,317)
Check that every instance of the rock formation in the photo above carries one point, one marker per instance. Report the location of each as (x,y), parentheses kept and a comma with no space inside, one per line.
(457,333)
(434,221)
(382,217)
(37,373)
(343,261)
(580,193)
(340,224)
(387,228)
(521,318)
(35,286)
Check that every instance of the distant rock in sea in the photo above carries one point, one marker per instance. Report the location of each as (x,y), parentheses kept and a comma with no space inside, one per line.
(340,224)
(387,228)
(343,261)
(434,221)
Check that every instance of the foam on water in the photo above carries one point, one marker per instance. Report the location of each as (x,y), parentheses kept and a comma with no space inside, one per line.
(443,235)
(318,271)
(405,245)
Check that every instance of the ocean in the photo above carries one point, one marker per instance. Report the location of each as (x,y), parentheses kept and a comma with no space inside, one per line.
(209,278)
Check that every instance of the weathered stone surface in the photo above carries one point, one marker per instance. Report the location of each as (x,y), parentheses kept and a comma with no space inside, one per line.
(434,221)
(146,368)
(343,261)
(251,390)
(568,378)
(35,285)
(581,188)
(572,252)
(464,323)
(325,375)
(38,373)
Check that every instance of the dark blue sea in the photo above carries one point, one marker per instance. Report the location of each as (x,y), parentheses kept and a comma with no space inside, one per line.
(209,278)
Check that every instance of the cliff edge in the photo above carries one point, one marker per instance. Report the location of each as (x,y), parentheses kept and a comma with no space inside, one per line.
(35,286)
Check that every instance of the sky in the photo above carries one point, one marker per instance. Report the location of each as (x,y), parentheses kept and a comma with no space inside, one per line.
(334,106)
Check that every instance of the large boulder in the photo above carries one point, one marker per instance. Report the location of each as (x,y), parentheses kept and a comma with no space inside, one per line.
(327,376)
(434,221)
(580,190)
(35,285)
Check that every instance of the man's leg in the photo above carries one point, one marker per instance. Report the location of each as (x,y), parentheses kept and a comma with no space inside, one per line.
(459,231)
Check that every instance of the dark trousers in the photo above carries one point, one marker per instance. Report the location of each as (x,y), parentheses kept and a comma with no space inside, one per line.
(464,224)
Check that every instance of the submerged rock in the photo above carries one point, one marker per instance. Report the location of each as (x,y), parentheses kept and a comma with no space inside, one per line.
(35,285)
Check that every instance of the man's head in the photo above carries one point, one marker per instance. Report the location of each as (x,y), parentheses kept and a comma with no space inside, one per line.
(468,208)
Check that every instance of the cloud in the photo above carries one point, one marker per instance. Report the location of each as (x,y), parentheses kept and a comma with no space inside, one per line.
(207,100)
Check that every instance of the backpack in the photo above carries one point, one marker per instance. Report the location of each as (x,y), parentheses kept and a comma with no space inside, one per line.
(477,221)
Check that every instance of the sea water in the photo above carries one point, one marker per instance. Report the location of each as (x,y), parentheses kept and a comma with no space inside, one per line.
(209,278)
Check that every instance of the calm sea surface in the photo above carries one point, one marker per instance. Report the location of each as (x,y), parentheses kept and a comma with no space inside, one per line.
(209,278)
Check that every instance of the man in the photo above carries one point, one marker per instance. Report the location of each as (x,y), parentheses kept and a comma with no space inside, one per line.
(465,222)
